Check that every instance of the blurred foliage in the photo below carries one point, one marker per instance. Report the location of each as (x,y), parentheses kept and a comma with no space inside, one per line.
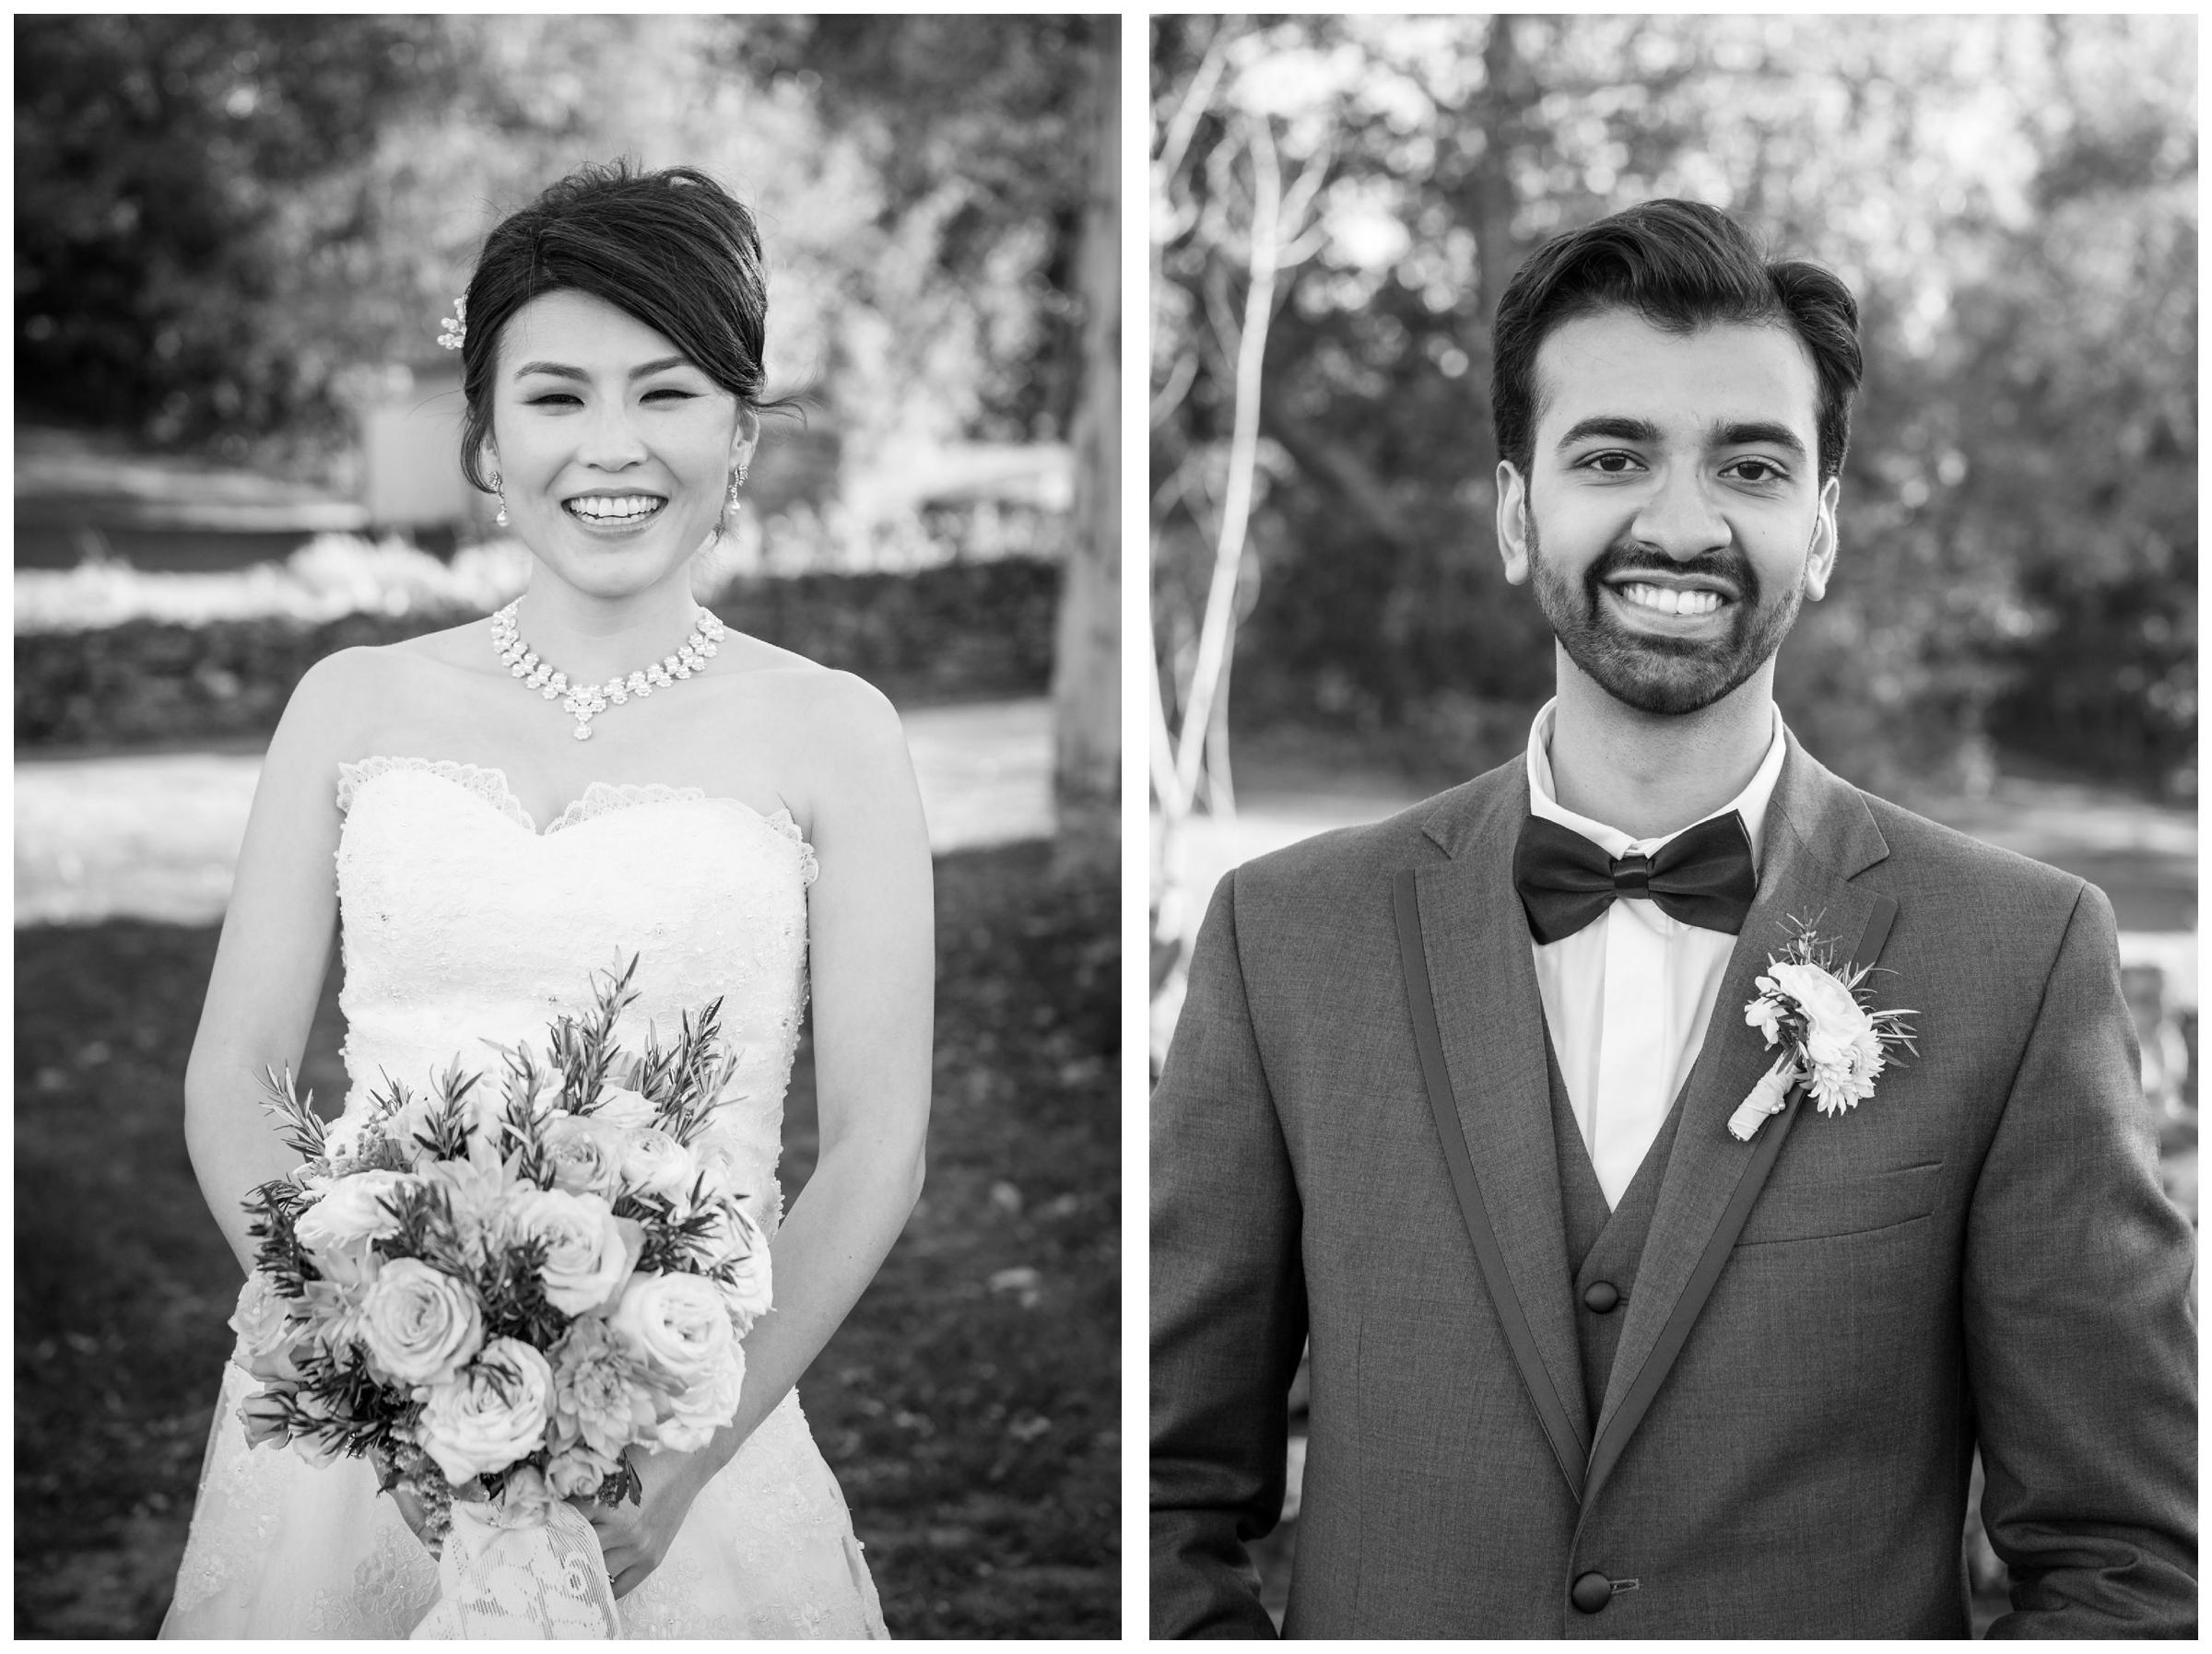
(956,632)
(228,229)
(2011,197)
(972,127)
(332,575)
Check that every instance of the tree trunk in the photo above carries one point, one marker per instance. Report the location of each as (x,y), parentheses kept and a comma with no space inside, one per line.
(1087,728)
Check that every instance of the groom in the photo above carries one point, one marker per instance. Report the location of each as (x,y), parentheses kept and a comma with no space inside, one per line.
(1448,1103)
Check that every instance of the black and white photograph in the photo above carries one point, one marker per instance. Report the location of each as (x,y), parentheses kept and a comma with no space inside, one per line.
(1671,759)
(567,784)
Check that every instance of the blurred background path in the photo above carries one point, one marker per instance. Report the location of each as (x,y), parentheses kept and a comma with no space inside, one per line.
(155,835)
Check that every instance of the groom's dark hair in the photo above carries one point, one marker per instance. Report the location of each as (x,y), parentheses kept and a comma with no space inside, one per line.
(1680,266)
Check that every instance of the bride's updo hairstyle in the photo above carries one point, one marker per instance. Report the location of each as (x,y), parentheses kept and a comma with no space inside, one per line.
(673,249)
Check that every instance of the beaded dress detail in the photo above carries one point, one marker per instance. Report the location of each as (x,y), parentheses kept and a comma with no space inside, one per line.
(461,923)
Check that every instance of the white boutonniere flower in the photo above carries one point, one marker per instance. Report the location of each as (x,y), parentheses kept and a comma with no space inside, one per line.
(1832,1042)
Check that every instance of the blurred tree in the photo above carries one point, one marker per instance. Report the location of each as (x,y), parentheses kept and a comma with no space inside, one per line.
(976,126)
(1258,222)
(1087,658)
(157,158)
(1001,131)
(2011,197)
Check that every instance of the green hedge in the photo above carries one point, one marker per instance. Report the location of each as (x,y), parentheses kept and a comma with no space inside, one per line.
(964,631)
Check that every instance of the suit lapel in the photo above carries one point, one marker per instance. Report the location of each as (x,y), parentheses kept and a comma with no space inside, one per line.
(1818,835)
(1480,1018)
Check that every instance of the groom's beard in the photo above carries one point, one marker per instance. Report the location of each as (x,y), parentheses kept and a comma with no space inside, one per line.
(1661,675)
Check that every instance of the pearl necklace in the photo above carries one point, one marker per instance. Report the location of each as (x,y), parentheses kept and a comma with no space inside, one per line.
(586,701)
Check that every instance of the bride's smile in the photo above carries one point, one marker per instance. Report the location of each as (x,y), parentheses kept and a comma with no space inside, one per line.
(603,511)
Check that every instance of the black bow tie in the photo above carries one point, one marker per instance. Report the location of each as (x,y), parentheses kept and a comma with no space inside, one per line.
(1702,876)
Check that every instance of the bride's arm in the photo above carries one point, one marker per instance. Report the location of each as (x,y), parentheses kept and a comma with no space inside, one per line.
(270,963)
(873,963)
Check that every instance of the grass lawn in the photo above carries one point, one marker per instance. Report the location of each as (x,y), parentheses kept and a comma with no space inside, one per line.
(970,1406)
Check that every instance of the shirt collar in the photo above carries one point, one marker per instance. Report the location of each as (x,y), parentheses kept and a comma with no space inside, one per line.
(1750,803)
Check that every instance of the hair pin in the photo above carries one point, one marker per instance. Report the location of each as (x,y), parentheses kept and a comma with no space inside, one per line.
(456,325)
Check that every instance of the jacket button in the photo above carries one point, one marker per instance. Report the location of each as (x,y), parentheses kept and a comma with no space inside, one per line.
(1602,1295)
(1591,1592)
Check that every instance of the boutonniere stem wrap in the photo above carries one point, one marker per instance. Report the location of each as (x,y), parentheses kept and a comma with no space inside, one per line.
(1833,1043)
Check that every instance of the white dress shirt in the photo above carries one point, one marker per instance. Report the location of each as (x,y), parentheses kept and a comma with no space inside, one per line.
(1627,997)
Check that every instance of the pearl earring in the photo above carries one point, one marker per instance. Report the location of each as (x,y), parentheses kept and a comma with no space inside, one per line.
(498,483)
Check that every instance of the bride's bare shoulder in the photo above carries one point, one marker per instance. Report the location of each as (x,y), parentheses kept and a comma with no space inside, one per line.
(744,655)
(337,696)
(816,702)
(828,723)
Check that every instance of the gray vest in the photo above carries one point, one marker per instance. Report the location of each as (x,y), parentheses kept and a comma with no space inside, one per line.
(1604,1247)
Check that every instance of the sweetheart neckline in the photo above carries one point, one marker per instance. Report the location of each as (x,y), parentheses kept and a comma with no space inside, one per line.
(405,763)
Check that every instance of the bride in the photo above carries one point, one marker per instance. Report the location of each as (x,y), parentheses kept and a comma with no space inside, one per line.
(745,828)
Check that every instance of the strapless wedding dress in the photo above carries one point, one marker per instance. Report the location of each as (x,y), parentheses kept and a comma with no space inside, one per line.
(462,922)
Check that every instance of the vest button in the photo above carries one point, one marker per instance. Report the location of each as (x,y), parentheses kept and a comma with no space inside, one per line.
(1601,1295)
(1591,1592)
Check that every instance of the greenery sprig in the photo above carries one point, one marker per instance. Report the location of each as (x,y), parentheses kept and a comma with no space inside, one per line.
(297,1122)
(583,1049)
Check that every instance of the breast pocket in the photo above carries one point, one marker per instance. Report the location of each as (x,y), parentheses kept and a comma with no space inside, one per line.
(1861,1203)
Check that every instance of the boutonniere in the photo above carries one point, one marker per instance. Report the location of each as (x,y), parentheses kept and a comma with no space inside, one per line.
(1832,1042)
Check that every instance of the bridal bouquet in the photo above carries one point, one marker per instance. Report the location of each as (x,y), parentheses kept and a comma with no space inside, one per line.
(494,1290)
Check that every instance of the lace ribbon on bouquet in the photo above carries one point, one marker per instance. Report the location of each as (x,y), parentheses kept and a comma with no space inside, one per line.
(542,1580)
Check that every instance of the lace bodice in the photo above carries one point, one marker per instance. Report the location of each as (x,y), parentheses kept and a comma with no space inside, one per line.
(462,924)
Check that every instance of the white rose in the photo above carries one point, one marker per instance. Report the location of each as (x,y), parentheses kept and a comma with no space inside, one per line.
(267,1327)
(490,1414)
(419,1323)
(745,1293)
(577,1470)
(677,1321)
(526,1501)
(718,1168)
(587,1154)
(703,1406)
(1834,1017)
(589,1251)
(620,1106)
(264,1416)
(319,1446)
(736,1239)
(655,1163)
(351,1210)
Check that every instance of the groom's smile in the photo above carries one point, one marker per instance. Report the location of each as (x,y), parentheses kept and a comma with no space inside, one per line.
(1673,520)
(1646,597)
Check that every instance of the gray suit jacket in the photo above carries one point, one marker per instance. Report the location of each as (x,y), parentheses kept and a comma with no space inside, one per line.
(1352,1146)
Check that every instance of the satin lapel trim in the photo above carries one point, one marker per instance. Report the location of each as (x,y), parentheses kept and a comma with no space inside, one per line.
(1712,1179)
(1493,1113)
